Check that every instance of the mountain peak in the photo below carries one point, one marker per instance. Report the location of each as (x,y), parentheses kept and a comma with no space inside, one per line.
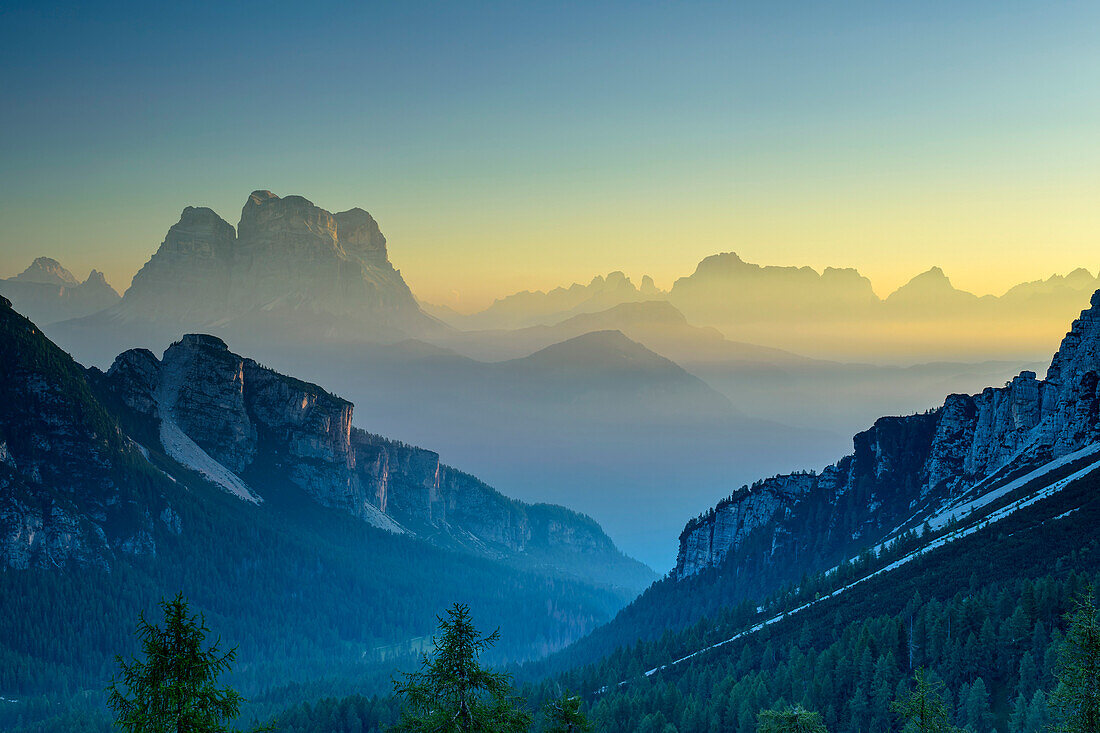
(289,271)
(599,351)
(931,285)
(95,277)
(260,196)
(202,341)
(358,233)
(46,270)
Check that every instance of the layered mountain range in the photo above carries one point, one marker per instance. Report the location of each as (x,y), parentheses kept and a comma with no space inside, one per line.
(832,314)
(47,292)
(693,380)
(233,422)
(921,505)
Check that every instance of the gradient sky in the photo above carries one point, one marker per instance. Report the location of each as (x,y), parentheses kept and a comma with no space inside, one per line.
(509,145)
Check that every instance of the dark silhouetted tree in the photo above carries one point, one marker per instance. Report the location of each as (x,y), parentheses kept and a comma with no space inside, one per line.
(564,715)
(789,720)
(922,709)
(1076,699)
(451,693)
(174,689)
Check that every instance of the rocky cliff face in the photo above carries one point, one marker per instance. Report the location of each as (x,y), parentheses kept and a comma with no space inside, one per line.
(234,422)
(46,292)
(290,270)
(73,488)
(902,469)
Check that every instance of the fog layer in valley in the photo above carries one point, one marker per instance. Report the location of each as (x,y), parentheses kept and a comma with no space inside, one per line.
(637,406)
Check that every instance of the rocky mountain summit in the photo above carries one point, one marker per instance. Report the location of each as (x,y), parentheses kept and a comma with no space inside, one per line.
(47,292)
(906,471)
(290,271)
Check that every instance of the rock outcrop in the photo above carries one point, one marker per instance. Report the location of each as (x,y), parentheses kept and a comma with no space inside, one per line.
(902,469)
(73,488)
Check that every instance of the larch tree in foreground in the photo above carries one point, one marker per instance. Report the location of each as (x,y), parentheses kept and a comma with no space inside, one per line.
(1076,699)
(451,693)
(796,719)
(174,689)
(923,710)
(564,715)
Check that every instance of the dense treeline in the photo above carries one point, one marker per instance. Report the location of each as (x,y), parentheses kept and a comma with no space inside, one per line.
(323,599)
(994,649)
(985,615)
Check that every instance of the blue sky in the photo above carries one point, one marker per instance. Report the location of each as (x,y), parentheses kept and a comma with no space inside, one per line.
(504,146)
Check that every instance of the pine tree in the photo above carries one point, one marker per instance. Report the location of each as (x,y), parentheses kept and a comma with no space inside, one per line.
(923,710)
(175,687)
(979,716)
(1038,714)
(1076,699)
(451,693)
(564,715)
(789,720)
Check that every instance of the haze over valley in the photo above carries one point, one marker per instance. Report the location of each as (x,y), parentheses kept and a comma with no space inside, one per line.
(598,396)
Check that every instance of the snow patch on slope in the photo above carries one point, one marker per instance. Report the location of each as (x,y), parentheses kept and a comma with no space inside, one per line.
(379,519)
(961,508)
(996,516)
(187,452)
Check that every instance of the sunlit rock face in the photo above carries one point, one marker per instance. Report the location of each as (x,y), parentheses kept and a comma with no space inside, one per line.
(290,273)
(238,412)
(901,469)
(256,422)
(188,278)
(47,292)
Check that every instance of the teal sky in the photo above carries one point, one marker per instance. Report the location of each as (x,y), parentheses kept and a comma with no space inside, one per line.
(505,146)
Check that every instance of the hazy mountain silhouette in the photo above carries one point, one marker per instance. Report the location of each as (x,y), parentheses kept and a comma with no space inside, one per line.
(529,308)
(47,292)
(834,314)
(597,422)
(290,272)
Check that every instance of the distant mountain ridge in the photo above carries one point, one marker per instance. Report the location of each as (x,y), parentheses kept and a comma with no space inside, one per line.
(48,292)
(532,308)
(833,314)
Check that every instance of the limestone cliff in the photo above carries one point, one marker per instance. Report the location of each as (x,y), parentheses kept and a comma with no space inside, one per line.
(239,424)
(290,272)
(902,470)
